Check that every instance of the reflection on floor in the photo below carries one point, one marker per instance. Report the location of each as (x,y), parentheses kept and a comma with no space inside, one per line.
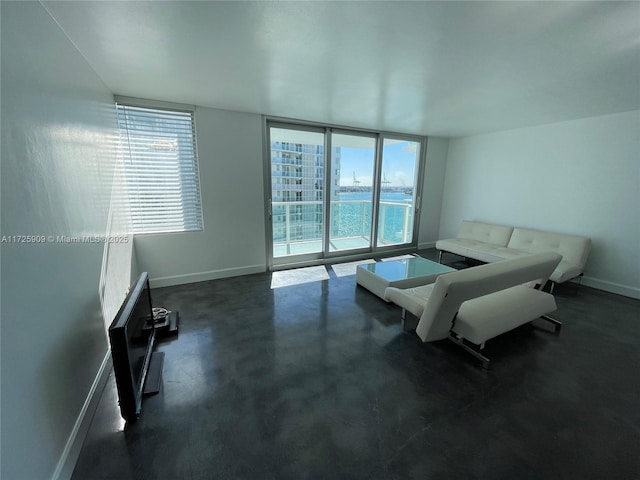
(319,381)
(349,268)
(298,276)
(399,257)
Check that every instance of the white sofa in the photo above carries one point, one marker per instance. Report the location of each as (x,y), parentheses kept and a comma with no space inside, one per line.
(479,303)
(490,243)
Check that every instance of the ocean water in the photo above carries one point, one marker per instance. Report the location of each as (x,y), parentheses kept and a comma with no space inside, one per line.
(350,217)
(353,218)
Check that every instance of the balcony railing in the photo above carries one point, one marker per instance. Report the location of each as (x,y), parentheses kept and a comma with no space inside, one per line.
(297,226)
(298,148)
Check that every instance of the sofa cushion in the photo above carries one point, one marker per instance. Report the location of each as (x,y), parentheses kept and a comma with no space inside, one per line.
(485,232)
(483,318)
(573,248)
(484,252)
(412,299)
(565,271)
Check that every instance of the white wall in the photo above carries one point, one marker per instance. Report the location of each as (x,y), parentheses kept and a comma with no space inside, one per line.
(579,177)
(233,240)
(231,178)
(432,188)
(58,129)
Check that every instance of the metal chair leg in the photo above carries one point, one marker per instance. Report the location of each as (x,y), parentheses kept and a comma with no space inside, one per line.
(460,342)
(557,323)
(406,316)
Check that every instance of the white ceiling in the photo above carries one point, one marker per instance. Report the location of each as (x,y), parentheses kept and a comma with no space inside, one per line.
(437,68)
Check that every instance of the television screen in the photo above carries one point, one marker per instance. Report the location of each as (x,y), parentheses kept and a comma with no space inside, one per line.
(131,347)
(138,342)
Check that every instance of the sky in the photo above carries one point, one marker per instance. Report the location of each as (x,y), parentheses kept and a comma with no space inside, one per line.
(357,155)
(398,164)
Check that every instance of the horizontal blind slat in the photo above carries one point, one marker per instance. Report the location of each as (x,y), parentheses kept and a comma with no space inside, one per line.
(160,169)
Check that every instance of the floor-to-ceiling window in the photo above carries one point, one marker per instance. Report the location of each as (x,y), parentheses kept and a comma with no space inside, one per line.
(352,178)
(337,192)
(400,160)
(297,191)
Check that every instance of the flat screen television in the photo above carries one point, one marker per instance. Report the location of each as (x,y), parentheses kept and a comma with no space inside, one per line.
(132,348)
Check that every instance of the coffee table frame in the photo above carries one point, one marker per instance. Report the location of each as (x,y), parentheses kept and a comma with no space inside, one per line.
(404,273)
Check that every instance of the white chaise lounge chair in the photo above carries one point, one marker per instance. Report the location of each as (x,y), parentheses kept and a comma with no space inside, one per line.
(480,303)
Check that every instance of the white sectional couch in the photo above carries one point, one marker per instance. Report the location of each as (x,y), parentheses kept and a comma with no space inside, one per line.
(491,243)
(476,304)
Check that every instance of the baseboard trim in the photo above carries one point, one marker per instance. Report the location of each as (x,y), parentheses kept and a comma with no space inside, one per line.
(611,287)
(71,451)
(425,245)
(172,280)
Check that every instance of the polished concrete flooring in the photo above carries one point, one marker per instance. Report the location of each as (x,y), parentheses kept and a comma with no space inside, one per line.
(318,381)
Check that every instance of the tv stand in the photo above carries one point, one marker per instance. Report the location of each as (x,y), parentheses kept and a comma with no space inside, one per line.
(167,327)
(170,327)
(154,374)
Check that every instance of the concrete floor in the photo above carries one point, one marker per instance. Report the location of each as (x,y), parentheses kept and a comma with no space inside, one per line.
(318,381)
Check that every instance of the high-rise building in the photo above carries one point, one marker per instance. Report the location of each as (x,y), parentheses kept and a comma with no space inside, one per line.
(297,186)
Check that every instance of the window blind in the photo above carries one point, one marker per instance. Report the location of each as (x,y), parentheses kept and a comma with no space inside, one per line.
(160,169)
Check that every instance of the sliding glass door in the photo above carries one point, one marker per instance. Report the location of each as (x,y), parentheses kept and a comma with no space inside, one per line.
(339,192)
(397,203)
(297,191)
(352,177)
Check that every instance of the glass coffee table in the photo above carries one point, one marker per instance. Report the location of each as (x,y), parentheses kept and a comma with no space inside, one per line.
(405,273)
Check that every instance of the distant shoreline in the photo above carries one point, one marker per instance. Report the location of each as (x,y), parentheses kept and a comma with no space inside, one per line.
(350,189)
(384,195)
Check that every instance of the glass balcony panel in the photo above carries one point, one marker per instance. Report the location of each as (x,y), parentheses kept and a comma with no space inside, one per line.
(352,161)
